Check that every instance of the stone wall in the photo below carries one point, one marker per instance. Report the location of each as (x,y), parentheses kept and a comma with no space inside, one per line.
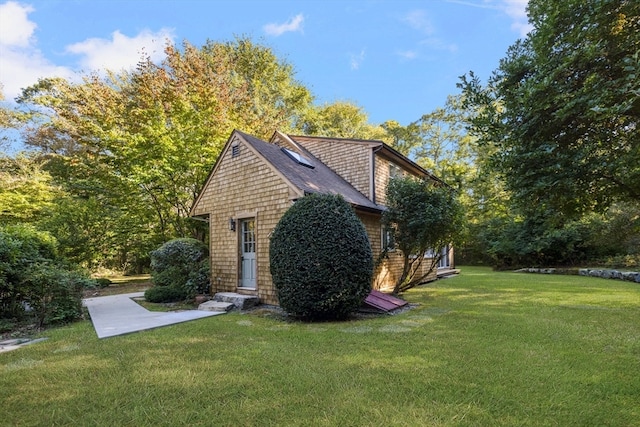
(629,276)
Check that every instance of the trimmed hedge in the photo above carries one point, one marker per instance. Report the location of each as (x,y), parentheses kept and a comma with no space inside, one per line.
(320,258)
(162,294)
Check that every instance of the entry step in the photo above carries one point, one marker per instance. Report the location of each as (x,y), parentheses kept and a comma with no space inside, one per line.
(241,302)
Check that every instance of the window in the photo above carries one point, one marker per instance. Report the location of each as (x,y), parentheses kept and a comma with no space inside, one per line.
(388,240)
(298,158)
(394,171)
(235,150)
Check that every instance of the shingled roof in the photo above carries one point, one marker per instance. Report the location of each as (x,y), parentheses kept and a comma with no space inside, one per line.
(316,179)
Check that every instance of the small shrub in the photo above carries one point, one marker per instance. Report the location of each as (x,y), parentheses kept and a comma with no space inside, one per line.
(320,258)
(163,294)
(103,282)
(183,264)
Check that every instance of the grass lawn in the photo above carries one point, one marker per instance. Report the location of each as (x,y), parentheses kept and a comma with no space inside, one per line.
(481,349)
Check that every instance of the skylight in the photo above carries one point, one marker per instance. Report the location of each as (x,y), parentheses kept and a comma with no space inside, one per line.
(298,158)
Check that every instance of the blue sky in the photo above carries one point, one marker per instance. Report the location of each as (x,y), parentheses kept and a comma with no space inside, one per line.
(397,59)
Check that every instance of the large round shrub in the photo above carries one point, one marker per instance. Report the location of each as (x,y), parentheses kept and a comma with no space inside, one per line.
(320,257)
(181,264)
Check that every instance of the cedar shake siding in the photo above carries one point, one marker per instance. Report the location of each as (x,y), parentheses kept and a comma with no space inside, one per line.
(243,186)
(350,159)
(259,180)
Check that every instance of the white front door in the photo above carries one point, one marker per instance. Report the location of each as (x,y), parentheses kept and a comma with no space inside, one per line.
(248,253)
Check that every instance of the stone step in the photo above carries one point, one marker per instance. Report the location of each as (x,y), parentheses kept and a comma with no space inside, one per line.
(242,302)
(216,306)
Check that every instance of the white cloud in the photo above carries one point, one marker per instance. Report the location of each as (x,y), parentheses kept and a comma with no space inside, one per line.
(121,52)
(418,20)
(407,54)
(356,60)
(515,9)
(21,62)
(294,24)
(17,30)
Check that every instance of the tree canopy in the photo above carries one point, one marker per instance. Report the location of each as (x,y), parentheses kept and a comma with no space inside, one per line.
(139,144)
(563,107)
(424,217)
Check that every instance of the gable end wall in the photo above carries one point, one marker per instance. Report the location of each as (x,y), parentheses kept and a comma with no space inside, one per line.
(241,187)
(351,161)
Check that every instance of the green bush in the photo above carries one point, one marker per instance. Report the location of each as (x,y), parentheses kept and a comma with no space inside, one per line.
(161,294)
(183,264)
(33,276)
(20,247)
(55,294)
(103,282)
(320,258)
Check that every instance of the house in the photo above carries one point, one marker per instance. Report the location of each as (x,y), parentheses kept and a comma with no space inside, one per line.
(254,182)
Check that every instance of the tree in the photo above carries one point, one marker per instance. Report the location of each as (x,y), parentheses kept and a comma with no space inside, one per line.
(425,218)
(339,120)
(563,108)
(27,193)
(141,143)
(320,258)
(10,118)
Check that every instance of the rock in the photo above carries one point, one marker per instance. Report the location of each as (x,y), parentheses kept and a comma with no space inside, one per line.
(242,302)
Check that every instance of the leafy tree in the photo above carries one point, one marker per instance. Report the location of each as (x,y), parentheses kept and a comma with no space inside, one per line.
(10,118)
(425,218)
(403,138)
(563,108)
(140,144)
(27,193)
(320,258)
(339,120)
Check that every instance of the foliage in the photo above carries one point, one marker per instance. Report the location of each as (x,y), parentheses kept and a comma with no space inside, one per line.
(132,149)
(182,264)
(439,142)
(424,217)
(20,247)
(55,294)
(10,118)
(103,282)
(563,108)
(535,241)
(339,120)
(27,193)
(33,275)
(164,294)
(320,258)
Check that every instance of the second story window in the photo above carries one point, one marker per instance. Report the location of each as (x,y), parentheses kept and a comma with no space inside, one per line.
(394,171)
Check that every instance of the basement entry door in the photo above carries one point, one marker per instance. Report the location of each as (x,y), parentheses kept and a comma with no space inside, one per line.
(248,255)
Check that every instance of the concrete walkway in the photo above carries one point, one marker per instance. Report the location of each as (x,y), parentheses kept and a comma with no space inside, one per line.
(119,314)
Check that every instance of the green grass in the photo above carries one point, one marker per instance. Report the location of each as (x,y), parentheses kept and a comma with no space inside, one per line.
(481,349)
